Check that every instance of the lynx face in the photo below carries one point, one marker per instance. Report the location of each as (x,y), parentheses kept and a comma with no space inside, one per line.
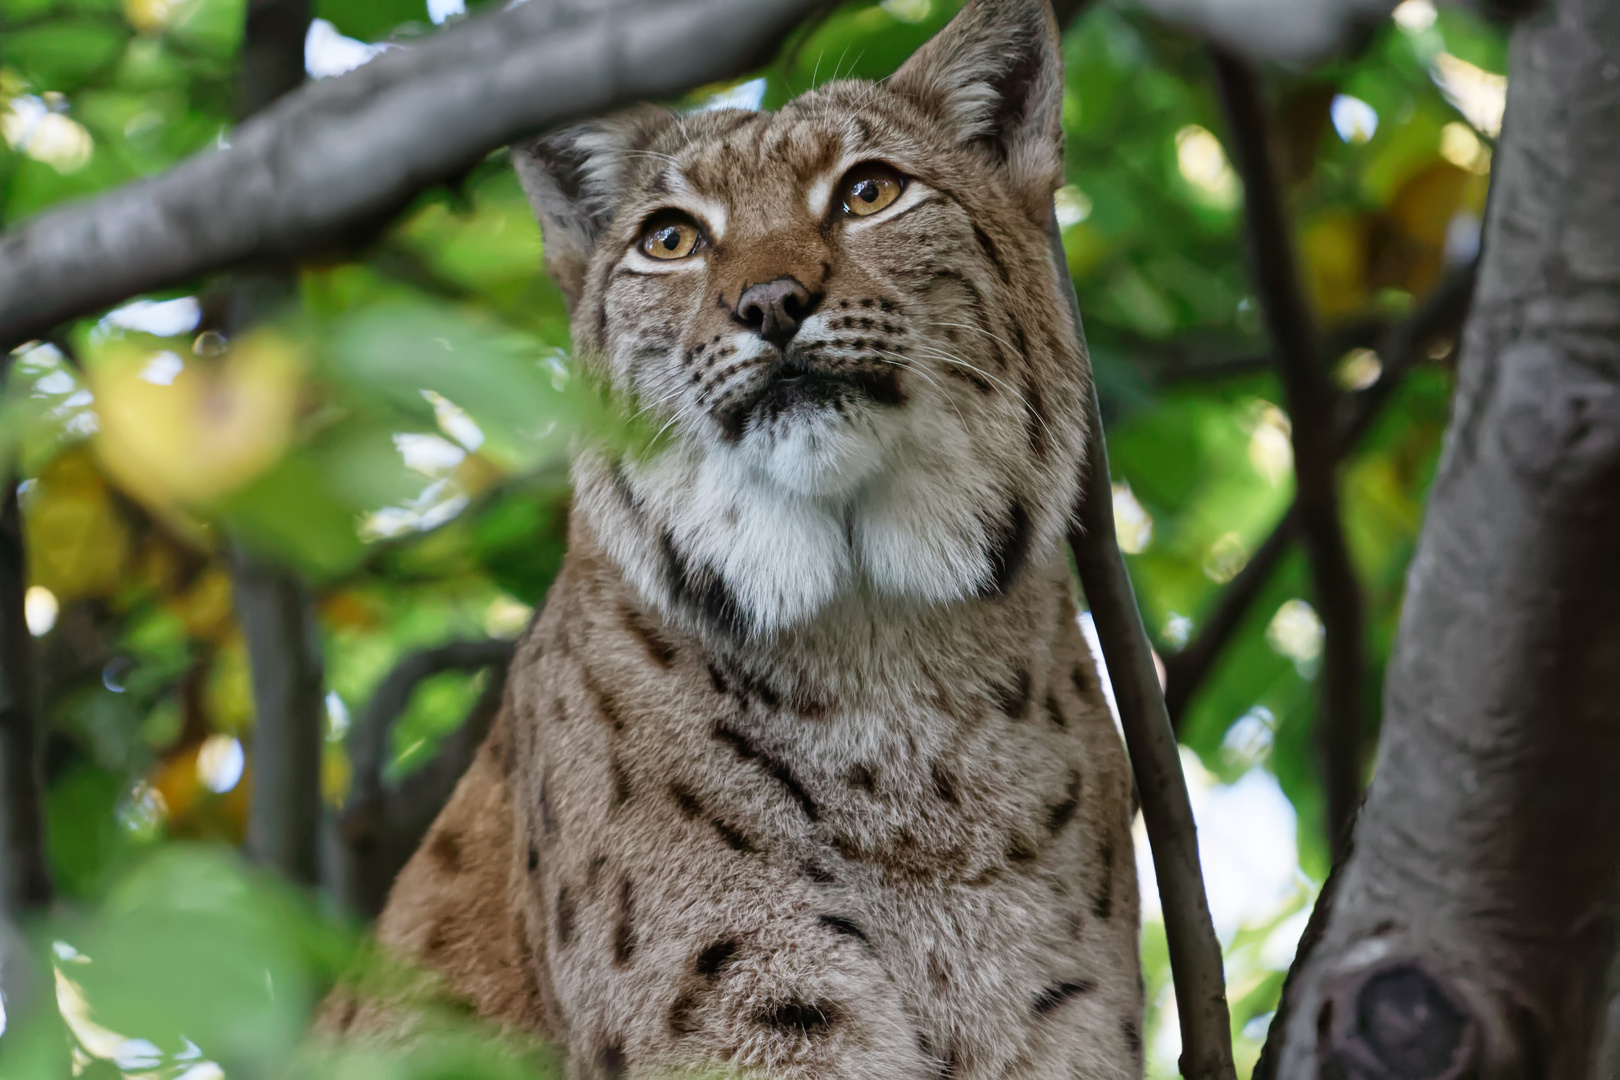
(844,319)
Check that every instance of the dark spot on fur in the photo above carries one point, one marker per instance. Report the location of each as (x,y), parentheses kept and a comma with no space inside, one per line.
(621,781)
(818,873)
(624,936)
(938,973)
(607,703)
(547,822)
(991,252)
(1102,905)
(681,1021)
(805,1017)
(841,925)
(1056,994)
(534,859)
(949,1065)
(565,916)
(718,681)
(1010,551)
(445,849)
(594,871)
(1082,684)
(860,776)
(1037,418)
(685,798)
(709,963)
(1020,850)
(658,650)
(1132,1036)
(700,589)
(867,302)
(979,384)
(776,768)
(1054,711)
(438,939)
(944,786)
(1059,816)
(612,1061)
(843,303)
(1012,698)
(692,809)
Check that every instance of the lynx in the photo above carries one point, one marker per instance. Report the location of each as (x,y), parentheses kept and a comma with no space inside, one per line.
(804,768)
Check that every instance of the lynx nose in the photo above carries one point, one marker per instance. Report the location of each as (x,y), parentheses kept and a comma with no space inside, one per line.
(776,309)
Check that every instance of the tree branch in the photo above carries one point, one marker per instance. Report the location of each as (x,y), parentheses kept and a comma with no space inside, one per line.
(335,159)
(284,654)
(1298,31)
(25,877)
(1310,400)
(382,825)
(1440,315)
(1195,952)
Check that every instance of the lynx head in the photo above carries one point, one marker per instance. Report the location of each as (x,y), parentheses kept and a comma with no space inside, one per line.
(845,318)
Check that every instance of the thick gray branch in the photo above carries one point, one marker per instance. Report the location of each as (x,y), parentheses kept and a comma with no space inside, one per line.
(337,156)
(1290,30)
(1475,923)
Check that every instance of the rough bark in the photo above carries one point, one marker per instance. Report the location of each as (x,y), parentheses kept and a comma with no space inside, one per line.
(1474,926)
(332,161)
(1340,712)
(25,877)
(1195,952)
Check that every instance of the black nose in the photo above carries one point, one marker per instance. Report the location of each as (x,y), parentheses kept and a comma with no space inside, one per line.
(776,309)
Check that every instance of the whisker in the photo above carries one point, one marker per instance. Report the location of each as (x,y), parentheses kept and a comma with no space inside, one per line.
(940,354)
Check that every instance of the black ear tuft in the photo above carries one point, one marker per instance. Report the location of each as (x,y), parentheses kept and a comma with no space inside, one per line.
(994,76)
(574,178)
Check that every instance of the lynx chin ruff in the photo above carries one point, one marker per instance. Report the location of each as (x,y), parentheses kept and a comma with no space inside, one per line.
(804,768)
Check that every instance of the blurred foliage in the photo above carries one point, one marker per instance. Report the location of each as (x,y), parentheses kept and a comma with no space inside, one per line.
(399,436)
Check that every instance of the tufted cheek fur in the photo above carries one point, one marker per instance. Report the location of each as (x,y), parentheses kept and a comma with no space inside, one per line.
(942,454)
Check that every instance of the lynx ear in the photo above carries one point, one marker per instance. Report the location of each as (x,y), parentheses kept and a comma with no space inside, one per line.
(575,177)
(994,76)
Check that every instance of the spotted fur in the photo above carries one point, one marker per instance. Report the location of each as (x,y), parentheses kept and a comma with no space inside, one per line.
(809,769)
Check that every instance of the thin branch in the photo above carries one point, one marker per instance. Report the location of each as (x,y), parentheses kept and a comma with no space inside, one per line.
(1185,671)
(368,739)
(1440,315)
(1195,952)
(381,825)
(1310,400)
(332,161)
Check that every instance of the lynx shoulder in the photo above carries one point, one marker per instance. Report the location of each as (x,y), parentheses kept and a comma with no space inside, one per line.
(804,768)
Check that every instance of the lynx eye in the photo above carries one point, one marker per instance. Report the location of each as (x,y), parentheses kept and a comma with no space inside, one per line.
(870,187)
(670,236)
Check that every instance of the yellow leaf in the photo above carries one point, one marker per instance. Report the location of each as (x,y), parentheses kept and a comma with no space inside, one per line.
(78,542)
(1334,249)
(193,431)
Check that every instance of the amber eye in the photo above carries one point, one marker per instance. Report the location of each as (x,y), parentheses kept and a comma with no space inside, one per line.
(670,237)
(870,187)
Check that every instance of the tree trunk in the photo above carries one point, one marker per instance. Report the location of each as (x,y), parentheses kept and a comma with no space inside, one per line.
(1474,925)
(284,651)
(25,877)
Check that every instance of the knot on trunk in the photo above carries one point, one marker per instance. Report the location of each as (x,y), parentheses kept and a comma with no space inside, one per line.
(1396,1022)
